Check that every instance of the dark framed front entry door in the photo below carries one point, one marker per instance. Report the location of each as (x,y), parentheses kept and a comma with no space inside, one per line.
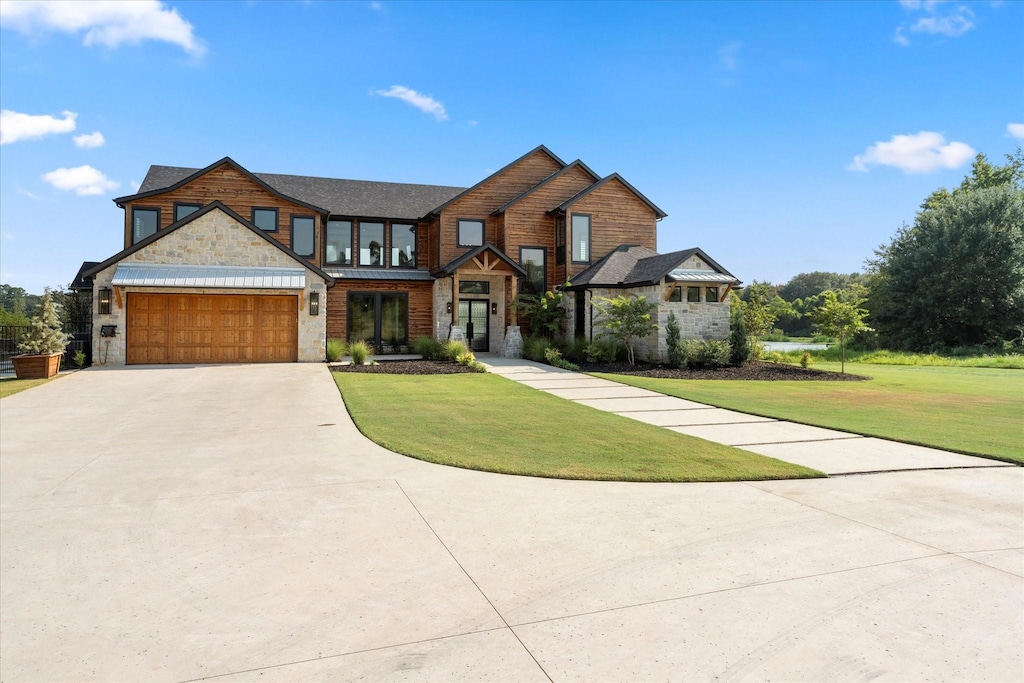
(474,319)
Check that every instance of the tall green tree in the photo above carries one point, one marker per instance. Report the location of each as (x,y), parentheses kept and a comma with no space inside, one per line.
(626,319)
(983,175)
(759,313)
(838,318)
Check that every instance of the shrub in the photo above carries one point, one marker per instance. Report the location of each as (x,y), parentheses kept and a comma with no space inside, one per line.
(739,340)
(451,348)
(544,313)
(821,339)
(535,348)
(428,347)
(576,350)
(675,351)
(467,359)
(44,332)
(335,349)
(805,359)
(707,353)
(360,352)
(554,357)
(602,351)
(776,357)
(79,359)
(627,319)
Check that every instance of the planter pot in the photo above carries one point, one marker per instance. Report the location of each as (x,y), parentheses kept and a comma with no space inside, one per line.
(36,365)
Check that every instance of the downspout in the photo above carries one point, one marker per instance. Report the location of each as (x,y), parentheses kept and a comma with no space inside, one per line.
(587,291)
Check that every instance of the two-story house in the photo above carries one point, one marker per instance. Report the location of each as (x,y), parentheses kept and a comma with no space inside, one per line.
(224,265)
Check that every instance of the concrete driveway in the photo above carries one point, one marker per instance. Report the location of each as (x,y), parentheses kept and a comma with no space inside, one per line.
(187,523)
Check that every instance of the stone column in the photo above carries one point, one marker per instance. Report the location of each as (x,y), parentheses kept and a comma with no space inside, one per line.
(513,347)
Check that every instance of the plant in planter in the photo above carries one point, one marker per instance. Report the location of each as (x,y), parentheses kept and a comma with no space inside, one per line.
(43,344)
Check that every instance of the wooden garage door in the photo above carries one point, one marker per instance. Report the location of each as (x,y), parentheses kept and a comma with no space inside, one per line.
(212,328)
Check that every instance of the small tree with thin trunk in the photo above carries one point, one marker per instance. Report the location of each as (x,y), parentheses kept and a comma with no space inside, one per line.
(840,319)
(626,319)
(44,332)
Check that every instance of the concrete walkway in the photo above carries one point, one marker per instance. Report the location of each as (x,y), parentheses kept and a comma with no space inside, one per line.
(826,450)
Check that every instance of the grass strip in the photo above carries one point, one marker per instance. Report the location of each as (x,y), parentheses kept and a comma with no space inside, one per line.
(486,422)
(10,385)
(969,410)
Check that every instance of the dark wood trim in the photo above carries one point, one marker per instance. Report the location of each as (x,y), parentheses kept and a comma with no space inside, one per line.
(590,238)
(458,232)
(277,217)
(196,205)
(131,225)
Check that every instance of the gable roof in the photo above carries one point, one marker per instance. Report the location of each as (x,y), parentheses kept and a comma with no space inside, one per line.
(334,196)
(160,234)
(460,261)
(553,176)
(631,265)
(538,148)
(614,176)
(81,283)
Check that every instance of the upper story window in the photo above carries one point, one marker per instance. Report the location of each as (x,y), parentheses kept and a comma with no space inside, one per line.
(338,245)
(560,240)
(403,245)
(371,244)
(145,222)
(470,233)
(264,219)
(675,294)
(181,210)
(533,259)
(303,235)
(711,294)
(580,238)
(693,294)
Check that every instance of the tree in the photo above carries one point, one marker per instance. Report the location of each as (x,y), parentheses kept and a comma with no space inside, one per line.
(806,285)
(758,313)
(956,277)
(675,351)
(44,334)
(983,176)
(626,319)
(842,319)
(739,341)
(544,313)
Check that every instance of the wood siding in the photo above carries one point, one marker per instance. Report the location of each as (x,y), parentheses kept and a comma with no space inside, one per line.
(617,217)
(492,194)
(237,192)
(421,305)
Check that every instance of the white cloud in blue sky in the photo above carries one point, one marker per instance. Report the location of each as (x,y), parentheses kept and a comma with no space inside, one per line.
(104,22)
(425,103)
(1015,130)
(924,152)
(90,140)
(16,126)
(82,180)
(934,17)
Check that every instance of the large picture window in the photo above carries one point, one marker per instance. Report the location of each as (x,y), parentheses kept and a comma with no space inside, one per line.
(303,236)
(145,222)
(580,238)
(471,232)
(534,262)
(403,245)
(380,318)
(338,245)
(371,244)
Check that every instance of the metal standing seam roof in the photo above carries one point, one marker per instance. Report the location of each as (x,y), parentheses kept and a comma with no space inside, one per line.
(690,275)
(405,275)
(236,277)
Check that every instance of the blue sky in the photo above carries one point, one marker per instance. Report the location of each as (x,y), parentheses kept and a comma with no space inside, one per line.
(779,137)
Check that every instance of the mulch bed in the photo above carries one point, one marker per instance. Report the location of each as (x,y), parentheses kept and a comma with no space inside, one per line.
(406,367)
(758,371)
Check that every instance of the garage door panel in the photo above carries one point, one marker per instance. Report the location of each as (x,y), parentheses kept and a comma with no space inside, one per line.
(212,328)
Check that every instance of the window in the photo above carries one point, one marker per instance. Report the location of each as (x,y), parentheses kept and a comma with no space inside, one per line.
(533,260)
(693,294)
(182,210)
(371,244)
(471,233)
(145,222)
(580,238)
(711,294)
(338,245)
(403,245)
(379,318)
(264,219)
(676,294)
(474,287)
(560,240)
(303,236)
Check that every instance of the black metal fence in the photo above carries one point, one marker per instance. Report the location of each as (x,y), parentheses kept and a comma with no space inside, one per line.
(10,336)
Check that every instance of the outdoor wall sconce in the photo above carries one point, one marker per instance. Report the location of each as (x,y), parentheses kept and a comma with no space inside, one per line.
(448,308)
(105,300)
(494,308)
(314,303)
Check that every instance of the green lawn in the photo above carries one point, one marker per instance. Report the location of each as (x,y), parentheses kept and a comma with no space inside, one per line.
(971,410)
(11,385)
(486,422)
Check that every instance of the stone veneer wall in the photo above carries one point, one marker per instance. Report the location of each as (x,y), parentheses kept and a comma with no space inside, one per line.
(214,239)
(443,296)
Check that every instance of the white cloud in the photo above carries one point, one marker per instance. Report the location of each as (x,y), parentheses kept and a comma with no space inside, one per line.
(104,22)
(729,55)
(924,152)
(425,103)
(15,126)
(376,6)
(82,180)
(937,20)
(90,140)
(1015,130)
(25,193)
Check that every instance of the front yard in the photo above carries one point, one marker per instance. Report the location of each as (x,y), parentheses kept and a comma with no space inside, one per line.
(485,422)
(971,410)
(10,385)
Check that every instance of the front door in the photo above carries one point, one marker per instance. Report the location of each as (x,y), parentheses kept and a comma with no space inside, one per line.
(473,317)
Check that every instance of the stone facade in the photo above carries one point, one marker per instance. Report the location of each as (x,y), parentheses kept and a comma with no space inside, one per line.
(443,319)
(212,239)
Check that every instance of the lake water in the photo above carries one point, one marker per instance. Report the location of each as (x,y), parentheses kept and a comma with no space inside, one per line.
(793,346)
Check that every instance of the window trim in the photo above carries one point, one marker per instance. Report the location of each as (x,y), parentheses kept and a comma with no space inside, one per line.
(291,236)
(351,242)
(673,292)
(486,287)
(544,267)
(376,294)
(357,259)
(458,232)
(131,226)
(560,241)
(590,239)
(192,204)
(277,217)
(708,289)
(696,288)
(388,229)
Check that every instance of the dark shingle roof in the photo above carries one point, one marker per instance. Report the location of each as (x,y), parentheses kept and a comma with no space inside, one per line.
(338,196)
(633,266)
(82,283)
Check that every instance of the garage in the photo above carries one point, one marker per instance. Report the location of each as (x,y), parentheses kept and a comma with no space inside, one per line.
(211,328)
